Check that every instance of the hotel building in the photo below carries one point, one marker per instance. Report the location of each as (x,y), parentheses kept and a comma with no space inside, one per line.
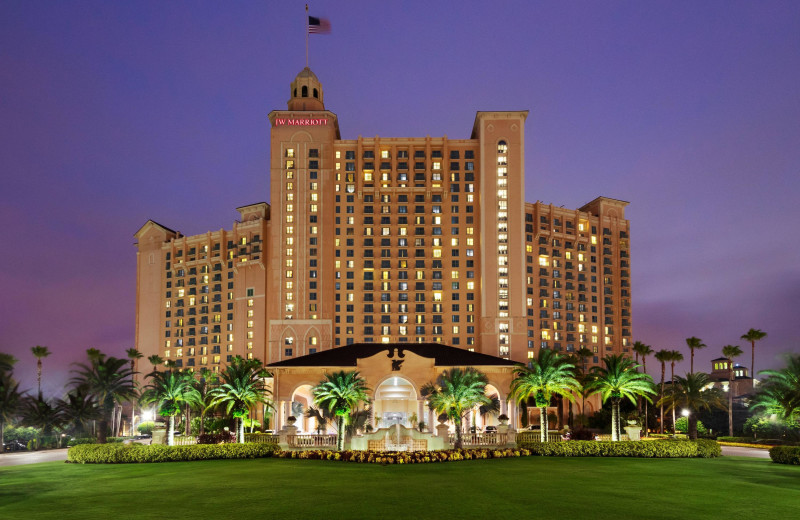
(388,240)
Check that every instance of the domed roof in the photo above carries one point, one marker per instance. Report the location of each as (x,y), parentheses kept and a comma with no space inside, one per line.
(307,73)
(306,92)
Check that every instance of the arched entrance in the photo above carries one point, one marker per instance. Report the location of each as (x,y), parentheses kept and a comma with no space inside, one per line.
(395,401)
(302,399)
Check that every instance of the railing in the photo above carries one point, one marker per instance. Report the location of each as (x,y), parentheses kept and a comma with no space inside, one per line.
(535,436)
(311,441)
(184,440)
(261,438)
(481,439)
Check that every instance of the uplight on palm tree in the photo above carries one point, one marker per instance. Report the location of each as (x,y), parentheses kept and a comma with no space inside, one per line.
(779,394)
(548,375)
(618,379)
(340,393)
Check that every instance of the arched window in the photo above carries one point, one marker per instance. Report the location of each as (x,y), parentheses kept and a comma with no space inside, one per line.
(305,91)
(316,94)
(502,147)
(295,93)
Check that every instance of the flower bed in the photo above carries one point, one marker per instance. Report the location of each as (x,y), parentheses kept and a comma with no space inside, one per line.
(131,453)
(404,457)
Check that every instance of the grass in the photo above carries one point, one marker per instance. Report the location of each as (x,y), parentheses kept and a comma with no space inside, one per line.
(599,488)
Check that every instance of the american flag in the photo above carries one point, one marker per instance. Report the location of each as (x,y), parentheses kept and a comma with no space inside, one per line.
(318,25)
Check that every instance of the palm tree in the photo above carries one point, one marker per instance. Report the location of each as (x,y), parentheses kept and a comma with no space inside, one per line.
(94,354)
(548,375)
(752,336)
(584,353)
(39,353)
(242,387)
(694,344)
(674,356)
(170,389)
(694,393)
(155,360)
(41,414)
(79,410)
(780,392)
(490,408)
(322,417)
(204,384)
(340,393)
(619,379)
(10,400)
(662,356)
(133,355)
(730,352)
(109,380)
(643,350)
(6,362)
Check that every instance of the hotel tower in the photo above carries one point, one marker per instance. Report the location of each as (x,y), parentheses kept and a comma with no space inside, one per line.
(388,240)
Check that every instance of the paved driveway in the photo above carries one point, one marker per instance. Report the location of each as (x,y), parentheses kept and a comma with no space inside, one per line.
(32,457)
(737,451)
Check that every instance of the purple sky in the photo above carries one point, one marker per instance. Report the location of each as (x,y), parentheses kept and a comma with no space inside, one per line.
(115,112)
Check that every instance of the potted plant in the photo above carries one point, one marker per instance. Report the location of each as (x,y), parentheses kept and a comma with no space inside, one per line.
(633,429)
(291,420)
(503,418)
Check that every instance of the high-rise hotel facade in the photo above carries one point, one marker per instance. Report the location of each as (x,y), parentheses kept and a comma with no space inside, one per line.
(388,240)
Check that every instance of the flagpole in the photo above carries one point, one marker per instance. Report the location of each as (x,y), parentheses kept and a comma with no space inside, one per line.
(306,35)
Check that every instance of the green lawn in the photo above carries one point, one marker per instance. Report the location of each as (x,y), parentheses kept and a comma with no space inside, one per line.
(558,488)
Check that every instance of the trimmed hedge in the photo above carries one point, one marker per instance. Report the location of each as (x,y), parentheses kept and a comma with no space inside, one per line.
(651,449)
(131,453)
(785,455)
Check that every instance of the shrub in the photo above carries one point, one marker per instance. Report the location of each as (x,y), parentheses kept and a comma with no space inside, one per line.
(146,428)
(652,449)
(769,428)
(128,453)
(405,457)
(785,455)
(682,425)
(582,434)
(76,441)
(216,438)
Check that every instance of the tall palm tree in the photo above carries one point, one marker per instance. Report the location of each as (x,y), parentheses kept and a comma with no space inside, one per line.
(692,393)
(242,386)
(39,353)
(133,356)
(10,400)
(79,410)
(780,392)
(619,379)
(94,354)
(155,360)
(170,389)
(584,354)
(548,375)
(340,393)
(752,336)
(109,380)
(662,356)
(730,352)
(694,344)
(643,350)
(674,357)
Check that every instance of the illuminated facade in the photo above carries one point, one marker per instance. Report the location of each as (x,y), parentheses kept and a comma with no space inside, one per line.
(388,240)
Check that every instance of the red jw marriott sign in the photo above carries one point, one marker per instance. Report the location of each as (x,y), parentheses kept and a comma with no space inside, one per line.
(300,122)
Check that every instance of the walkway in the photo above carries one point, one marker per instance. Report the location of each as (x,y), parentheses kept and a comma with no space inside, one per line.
(738,451)
(32,457)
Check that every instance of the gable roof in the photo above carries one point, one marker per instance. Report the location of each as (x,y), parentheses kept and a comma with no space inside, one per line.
(348,356)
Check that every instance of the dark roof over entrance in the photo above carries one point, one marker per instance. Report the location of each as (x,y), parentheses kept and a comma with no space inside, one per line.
(443,355)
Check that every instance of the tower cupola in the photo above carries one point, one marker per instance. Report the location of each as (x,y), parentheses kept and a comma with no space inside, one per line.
(306,92)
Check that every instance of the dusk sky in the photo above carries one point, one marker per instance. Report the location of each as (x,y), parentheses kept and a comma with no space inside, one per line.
(112,113)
